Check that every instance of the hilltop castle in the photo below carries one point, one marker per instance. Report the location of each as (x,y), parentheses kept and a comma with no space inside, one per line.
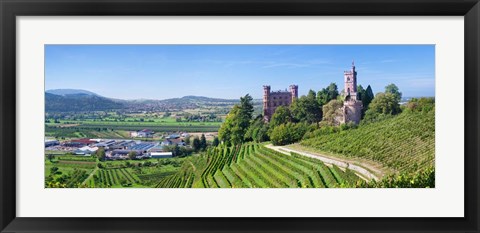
(352,105)
(350,112)
(274,99)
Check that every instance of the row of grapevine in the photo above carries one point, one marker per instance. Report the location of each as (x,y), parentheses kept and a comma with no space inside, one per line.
(405,143)
(255,166)
(120,177)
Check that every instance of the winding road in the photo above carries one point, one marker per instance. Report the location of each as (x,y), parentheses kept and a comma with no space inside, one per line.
(328,160)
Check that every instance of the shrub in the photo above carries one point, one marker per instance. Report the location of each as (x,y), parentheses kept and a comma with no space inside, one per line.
(288,133)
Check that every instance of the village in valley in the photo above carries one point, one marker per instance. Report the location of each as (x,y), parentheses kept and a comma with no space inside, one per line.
(122,149)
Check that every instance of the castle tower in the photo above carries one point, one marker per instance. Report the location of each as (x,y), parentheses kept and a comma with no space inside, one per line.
(352,106)
(350,79)
(294,92)
(266,97)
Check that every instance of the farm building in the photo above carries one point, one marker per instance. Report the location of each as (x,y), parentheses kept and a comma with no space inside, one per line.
(161,155)
(105,144)
(173,136)
(80,142)
(51,142)
(123,154)
(158,148)
(173,142)
(86,150)
(122,145)
(146,133)
(144,147)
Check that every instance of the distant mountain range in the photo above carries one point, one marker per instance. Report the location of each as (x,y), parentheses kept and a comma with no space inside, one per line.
(64,92)
(73,100)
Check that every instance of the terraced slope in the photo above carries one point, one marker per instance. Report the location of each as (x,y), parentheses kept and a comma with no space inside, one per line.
(255,166)
(405,143)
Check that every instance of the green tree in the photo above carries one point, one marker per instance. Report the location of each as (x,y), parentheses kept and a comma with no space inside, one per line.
(132,154)
(100,154)
(187,140)
(53,170)
(360,91)
(225,133)
(215,142)
(203,142)
(393,89)
(307,109)
(176,150)
(258,130)
(246,106)
(383,105)
(326,94)
(368,97)
(282,115)
(288,133)
(421,104)
(237,122)
(196,144)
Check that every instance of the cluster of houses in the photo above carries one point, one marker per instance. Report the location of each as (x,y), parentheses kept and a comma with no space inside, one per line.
(119,148)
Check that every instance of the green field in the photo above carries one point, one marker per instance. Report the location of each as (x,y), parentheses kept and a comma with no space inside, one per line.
(255,166)
(107,129)
(404,143)
(83,172)
(69,173)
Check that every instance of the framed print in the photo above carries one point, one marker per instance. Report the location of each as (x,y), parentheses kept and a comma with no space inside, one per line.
(254,116)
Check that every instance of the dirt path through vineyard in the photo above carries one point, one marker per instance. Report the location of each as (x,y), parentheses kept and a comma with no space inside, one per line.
(90,176)
(362,169)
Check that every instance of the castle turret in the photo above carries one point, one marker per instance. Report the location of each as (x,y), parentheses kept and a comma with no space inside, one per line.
(294,92)
(350,79)
(266,97)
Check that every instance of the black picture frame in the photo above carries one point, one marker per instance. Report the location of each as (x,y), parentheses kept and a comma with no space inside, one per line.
(10,9)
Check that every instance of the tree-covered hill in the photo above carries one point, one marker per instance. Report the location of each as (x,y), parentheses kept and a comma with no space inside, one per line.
(79,102)
(405,143)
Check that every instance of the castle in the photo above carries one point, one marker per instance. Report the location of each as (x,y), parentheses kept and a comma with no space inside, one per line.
(352,105)
(274,99)
(351,110)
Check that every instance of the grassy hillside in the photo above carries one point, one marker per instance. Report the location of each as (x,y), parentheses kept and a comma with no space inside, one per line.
(254,166)
(405,143)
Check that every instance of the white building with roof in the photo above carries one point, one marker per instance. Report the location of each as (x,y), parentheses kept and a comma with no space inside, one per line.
(86,150)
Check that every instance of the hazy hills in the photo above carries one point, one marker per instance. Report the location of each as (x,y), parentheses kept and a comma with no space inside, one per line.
(65,92)
(79,102)
(73,100)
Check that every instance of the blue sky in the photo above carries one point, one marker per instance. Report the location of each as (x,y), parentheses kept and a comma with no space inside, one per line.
(231,71)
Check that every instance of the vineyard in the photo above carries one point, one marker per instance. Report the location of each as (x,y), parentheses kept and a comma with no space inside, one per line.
(66,171)
(66,175)
(255,166)
(107,178)
(405,143)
